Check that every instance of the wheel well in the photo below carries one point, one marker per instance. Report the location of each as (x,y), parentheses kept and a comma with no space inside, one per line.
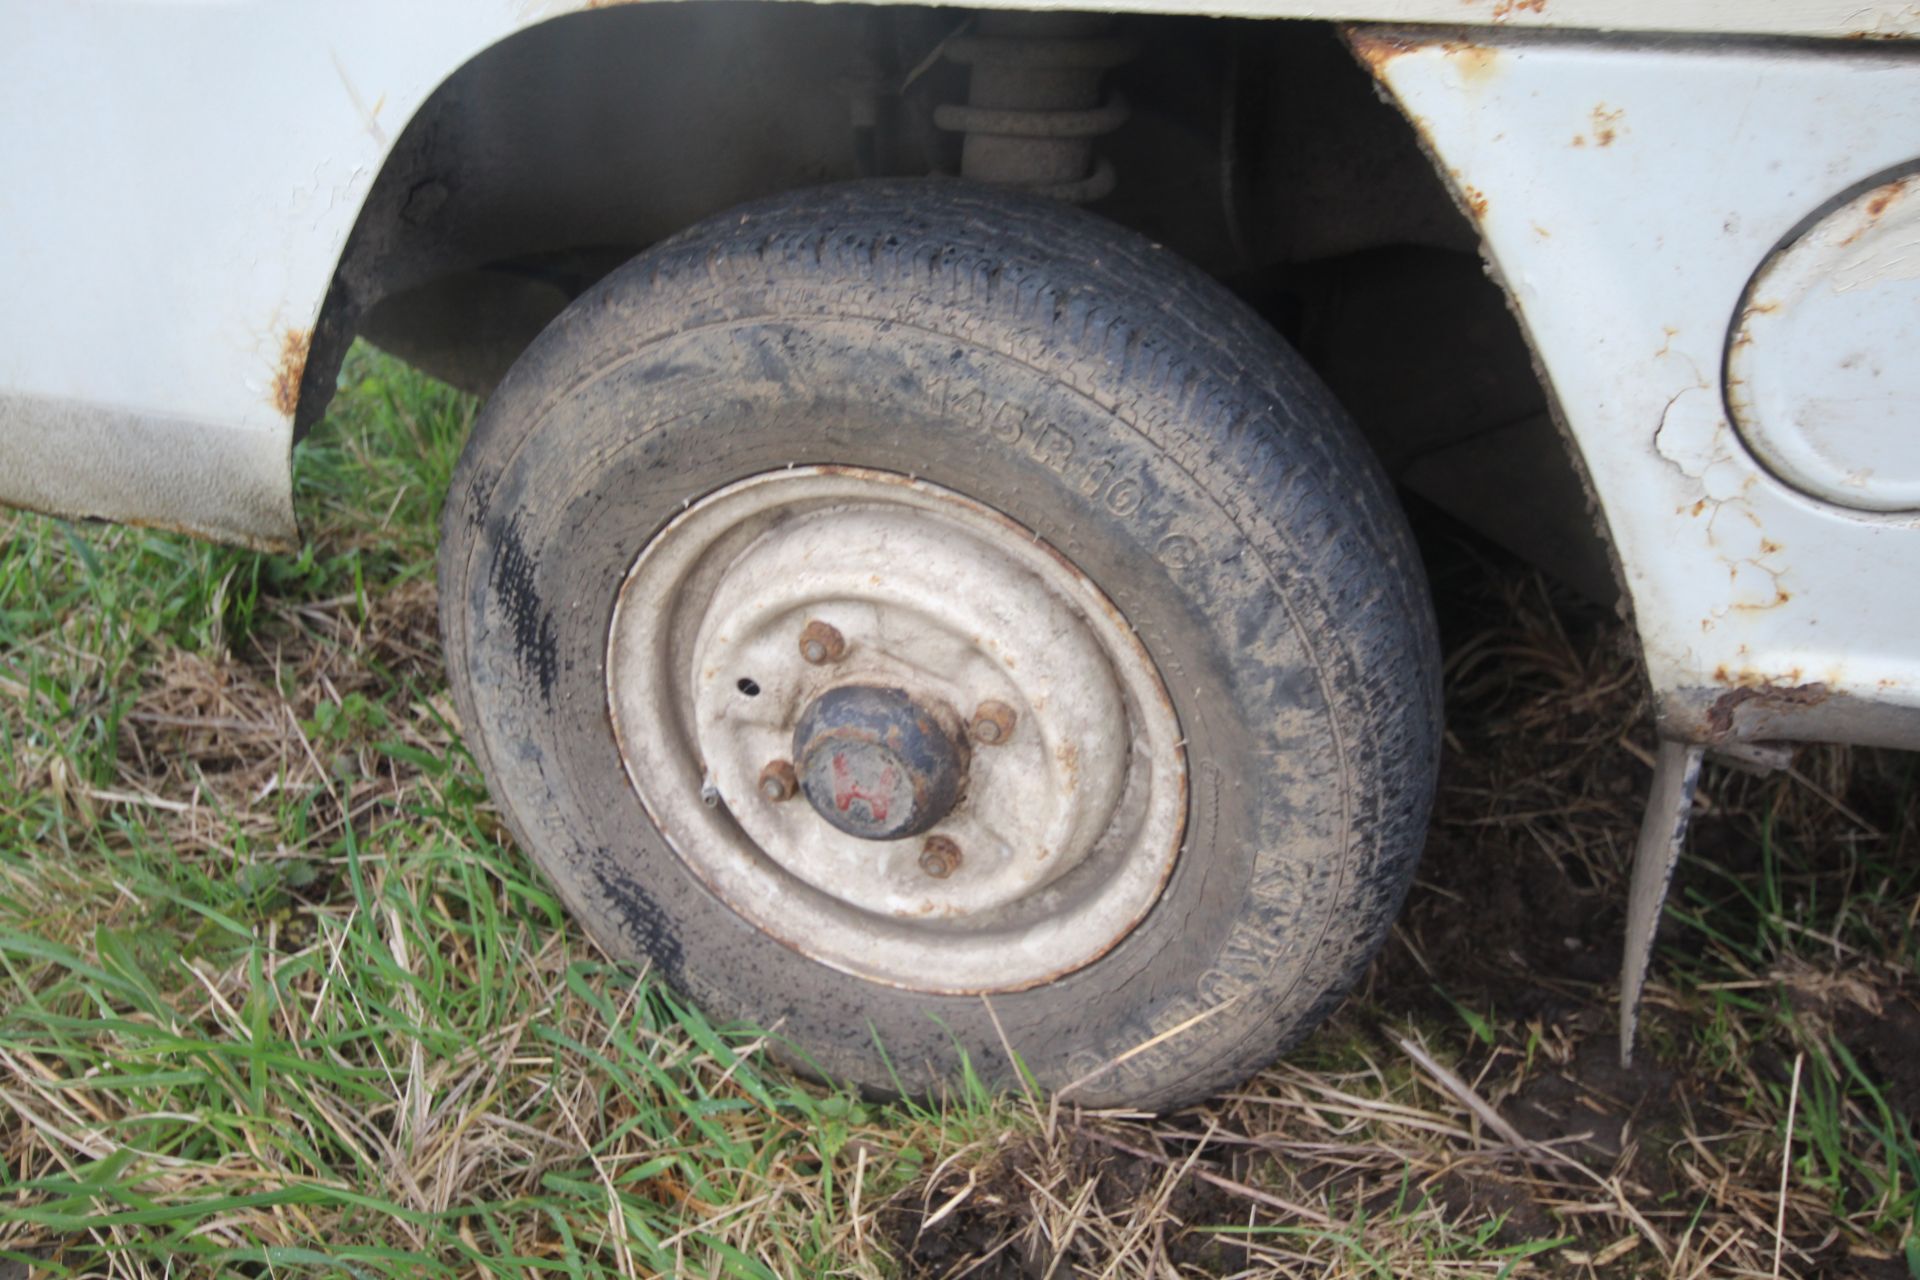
(1257,149)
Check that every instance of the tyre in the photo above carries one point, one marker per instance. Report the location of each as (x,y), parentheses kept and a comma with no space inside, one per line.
(928,622)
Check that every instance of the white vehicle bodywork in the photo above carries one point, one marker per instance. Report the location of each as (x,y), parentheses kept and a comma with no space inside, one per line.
(1629,201)
(183,180)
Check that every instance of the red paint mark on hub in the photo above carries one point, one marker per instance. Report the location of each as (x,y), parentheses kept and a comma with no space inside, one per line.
(847,790)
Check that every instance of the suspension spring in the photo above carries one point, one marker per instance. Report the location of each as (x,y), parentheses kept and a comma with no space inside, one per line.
(1033,102)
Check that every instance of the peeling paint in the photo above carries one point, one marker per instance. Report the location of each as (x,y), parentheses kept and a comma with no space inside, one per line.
(1695,438)
(285,388)
(1760,694)
(1689,432)
(1888,258)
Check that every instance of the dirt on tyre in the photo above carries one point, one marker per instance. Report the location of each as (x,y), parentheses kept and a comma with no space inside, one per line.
(901,608)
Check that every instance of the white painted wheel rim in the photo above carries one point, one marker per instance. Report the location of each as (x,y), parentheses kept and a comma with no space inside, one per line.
(1068,830)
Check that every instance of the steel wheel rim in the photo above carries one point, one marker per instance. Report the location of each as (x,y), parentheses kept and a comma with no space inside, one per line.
(1068,828)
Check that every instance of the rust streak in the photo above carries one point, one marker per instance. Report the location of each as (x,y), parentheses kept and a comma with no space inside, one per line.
(1780,597)
(285,389)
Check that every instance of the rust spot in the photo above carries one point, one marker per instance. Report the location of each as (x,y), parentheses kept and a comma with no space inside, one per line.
(1606,124)
(1504,9)
(1720,714)
(1476,201)
(1068,755)
(1885,199)
(1377,49)
(285,391)
(1476,62)
(1579,140)
(1542,232)
(1766,308)
(1749,678)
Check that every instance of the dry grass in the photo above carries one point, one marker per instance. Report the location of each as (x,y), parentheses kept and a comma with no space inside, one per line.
(277,996)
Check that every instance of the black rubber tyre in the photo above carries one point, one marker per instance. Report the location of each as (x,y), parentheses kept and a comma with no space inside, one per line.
(1099,391)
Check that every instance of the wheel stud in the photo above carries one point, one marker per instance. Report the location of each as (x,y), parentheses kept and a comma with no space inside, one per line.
(939,856)
(992,723)
(821,643)
(778,782)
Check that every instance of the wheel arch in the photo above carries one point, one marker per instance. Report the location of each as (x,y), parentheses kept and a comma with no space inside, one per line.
(566,147)
(518,180)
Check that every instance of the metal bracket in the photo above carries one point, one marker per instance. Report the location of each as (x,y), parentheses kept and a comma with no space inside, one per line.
(1663,829)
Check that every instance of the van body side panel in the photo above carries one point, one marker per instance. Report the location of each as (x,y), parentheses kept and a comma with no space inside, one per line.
(1629,197)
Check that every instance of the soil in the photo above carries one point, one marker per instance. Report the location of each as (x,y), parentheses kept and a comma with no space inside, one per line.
(1887,1045)
(993,1233)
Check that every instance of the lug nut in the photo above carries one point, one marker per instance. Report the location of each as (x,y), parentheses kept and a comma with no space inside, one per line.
(778,782)
(821,643)
(992,723)
(939,856)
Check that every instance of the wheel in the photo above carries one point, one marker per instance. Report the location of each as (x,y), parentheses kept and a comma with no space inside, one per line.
(901,607)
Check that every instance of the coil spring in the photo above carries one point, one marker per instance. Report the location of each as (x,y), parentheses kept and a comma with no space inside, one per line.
(1033,103)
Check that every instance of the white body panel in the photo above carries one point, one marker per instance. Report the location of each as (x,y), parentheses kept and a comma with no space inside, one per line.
(1628,197)
(182,180)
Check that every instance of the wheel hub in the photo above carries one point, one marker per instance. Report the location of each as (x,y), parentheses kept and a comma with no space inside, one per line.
(876,764)
(994,780)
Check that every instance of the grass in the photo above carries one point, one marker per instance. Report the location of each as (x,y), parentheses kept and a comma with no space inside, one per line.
(279,997)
